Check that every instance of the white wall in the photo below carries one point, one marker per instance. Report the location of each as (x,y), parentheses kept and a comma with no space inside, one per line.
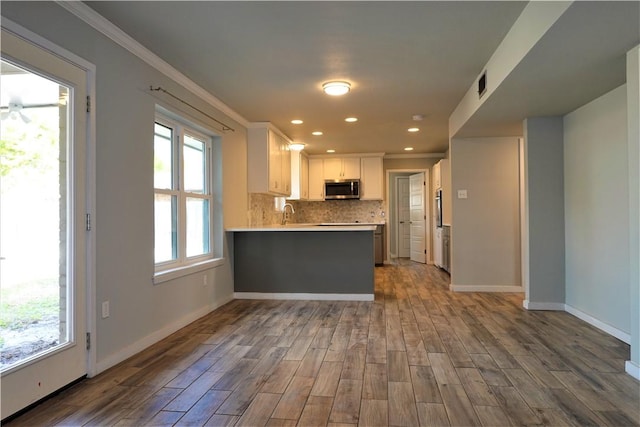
(486,226)
(597,209)
(141,312)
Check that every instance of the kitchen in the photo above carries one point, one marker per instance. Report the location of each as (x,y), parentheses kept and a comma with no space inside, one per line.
(487,218)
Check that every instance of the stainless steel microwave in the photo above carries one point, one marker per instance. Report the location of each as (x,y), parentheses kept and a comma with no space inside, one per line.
(341,189)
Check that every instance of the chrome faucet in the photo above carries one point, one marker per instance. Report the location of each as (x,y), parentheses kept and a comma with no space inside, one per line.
(286,216)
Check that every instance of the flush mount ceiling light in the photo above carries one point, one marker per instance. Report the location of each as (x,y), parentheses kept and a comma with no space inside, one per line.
(351,119)
(331,151)
(316,133)
(336,88)
(297,146)
(297,121)
(413,130)
(408,148)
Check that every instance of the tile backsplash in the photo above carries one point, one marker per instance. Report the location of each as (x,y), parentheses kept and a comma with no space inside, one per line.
(263,211)
(339,211)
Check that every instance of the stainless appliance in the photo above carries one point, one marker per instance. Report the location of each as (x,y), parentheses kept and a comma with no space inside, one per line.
(446,248)
(439,208)
(378,242)
(341,189)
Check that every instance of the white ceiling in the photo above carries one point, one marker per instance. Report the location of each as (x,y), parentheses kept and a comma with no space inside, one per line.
(268,60)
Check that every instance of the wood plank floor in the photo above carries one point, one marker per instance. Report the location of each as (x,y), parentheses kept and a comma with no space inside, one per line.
(417,355)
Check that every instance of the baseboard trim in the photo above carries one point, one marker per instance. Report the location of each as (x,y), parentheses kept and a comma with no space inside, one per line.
(156,336)
(632,369)
(481,288)
(303,296)
(622,336)
(548,306)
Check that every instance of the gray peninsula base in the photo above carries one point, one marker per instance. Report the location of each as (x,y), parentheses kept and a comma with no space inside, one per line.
(332,262)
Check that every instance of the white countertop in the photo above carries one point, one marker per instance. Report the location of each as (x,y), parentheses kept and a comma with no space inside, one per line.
(324,226)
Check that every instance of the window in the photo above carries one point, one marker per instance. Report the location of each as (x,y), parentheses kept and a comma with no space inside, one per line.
(183,195)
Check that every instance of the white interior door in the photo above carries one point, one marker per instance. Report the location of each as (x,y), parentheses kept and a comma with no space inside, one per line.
(418,217)
(404,229)
(42,223)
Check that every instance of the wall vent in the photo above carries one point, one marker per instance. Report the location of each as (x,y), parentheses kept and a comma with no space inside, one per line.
(482,84)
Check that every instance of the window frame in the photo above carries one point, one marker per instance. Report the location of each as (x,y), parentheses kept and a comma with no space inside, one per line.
(182,264)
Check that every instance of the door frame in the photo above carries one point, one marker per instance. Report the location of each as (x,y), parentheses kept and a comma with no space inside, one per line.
(428,208)
(90,176)
(396,183)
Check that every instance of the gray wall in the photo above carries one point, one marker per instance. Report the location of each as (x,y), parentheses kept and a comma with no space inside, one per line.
(633,144)
(543,162)
(597,209)
(486,226)
(140,311)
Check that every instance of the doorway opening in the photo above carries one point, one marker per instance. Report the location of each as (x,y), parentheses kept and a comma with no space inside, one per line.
(410,215)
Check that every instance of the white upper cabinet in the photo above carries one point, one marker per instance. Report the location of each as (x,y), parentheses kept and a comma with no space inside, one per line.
(371,179)
(316,179)
(299,176)
(269,160)
(437,177)
(342,168)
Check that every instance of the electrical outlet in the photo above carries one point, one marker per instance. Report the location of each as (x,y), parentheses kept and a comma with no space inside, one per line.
(462,194)
(105,309)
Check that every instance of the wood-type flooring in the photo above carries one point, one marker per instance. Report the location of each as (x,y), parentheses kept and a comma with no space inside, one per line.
(417,355)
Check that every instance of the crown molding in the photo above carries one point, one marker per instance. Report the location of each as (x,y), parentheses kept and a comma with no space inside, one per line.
(106,27)
(415,156)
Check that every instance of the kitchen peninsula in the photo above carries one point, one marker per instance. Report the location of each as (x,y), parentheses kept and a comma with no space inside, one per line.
(310,261)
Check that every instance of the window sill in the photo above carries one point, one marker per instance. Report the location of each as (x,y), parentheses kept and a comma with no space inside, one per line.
(175,273)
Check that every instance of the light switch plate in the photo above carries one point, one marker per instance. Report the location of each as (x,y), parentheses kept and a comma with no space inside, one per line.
(105,309)
(462,194)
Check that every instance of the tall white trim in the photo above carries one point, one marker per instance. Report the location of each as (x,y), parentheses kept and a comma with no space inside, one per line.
(632,369)
(303,296)
(613,331)
(545,306)
(106,27)
(158,335)
(483,288)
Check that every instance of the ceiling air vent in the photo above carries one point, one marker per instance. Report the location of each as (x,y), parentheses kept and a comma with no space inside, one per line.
(482,84)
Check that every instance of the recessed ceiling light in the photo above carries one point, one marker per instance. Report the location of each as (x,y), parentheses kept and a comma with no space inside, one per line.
(316,133)
(336,88)
(408,148)
(296,146)
(351,119)
(297,121)
(413,130)
(331,151)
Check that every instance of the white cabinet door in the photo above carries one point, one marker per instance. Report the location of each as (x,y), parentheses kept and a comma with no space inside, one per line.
(304,177)
(371,179)
(351,168)
(437,182)
(285,166)
(316,179)
(269,161)
(342,168)
(275,163)
(332,169)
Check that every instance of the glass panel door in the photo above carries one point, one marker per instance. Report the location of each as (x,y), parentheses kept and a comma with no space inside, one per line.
(33,220)
(42,236)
